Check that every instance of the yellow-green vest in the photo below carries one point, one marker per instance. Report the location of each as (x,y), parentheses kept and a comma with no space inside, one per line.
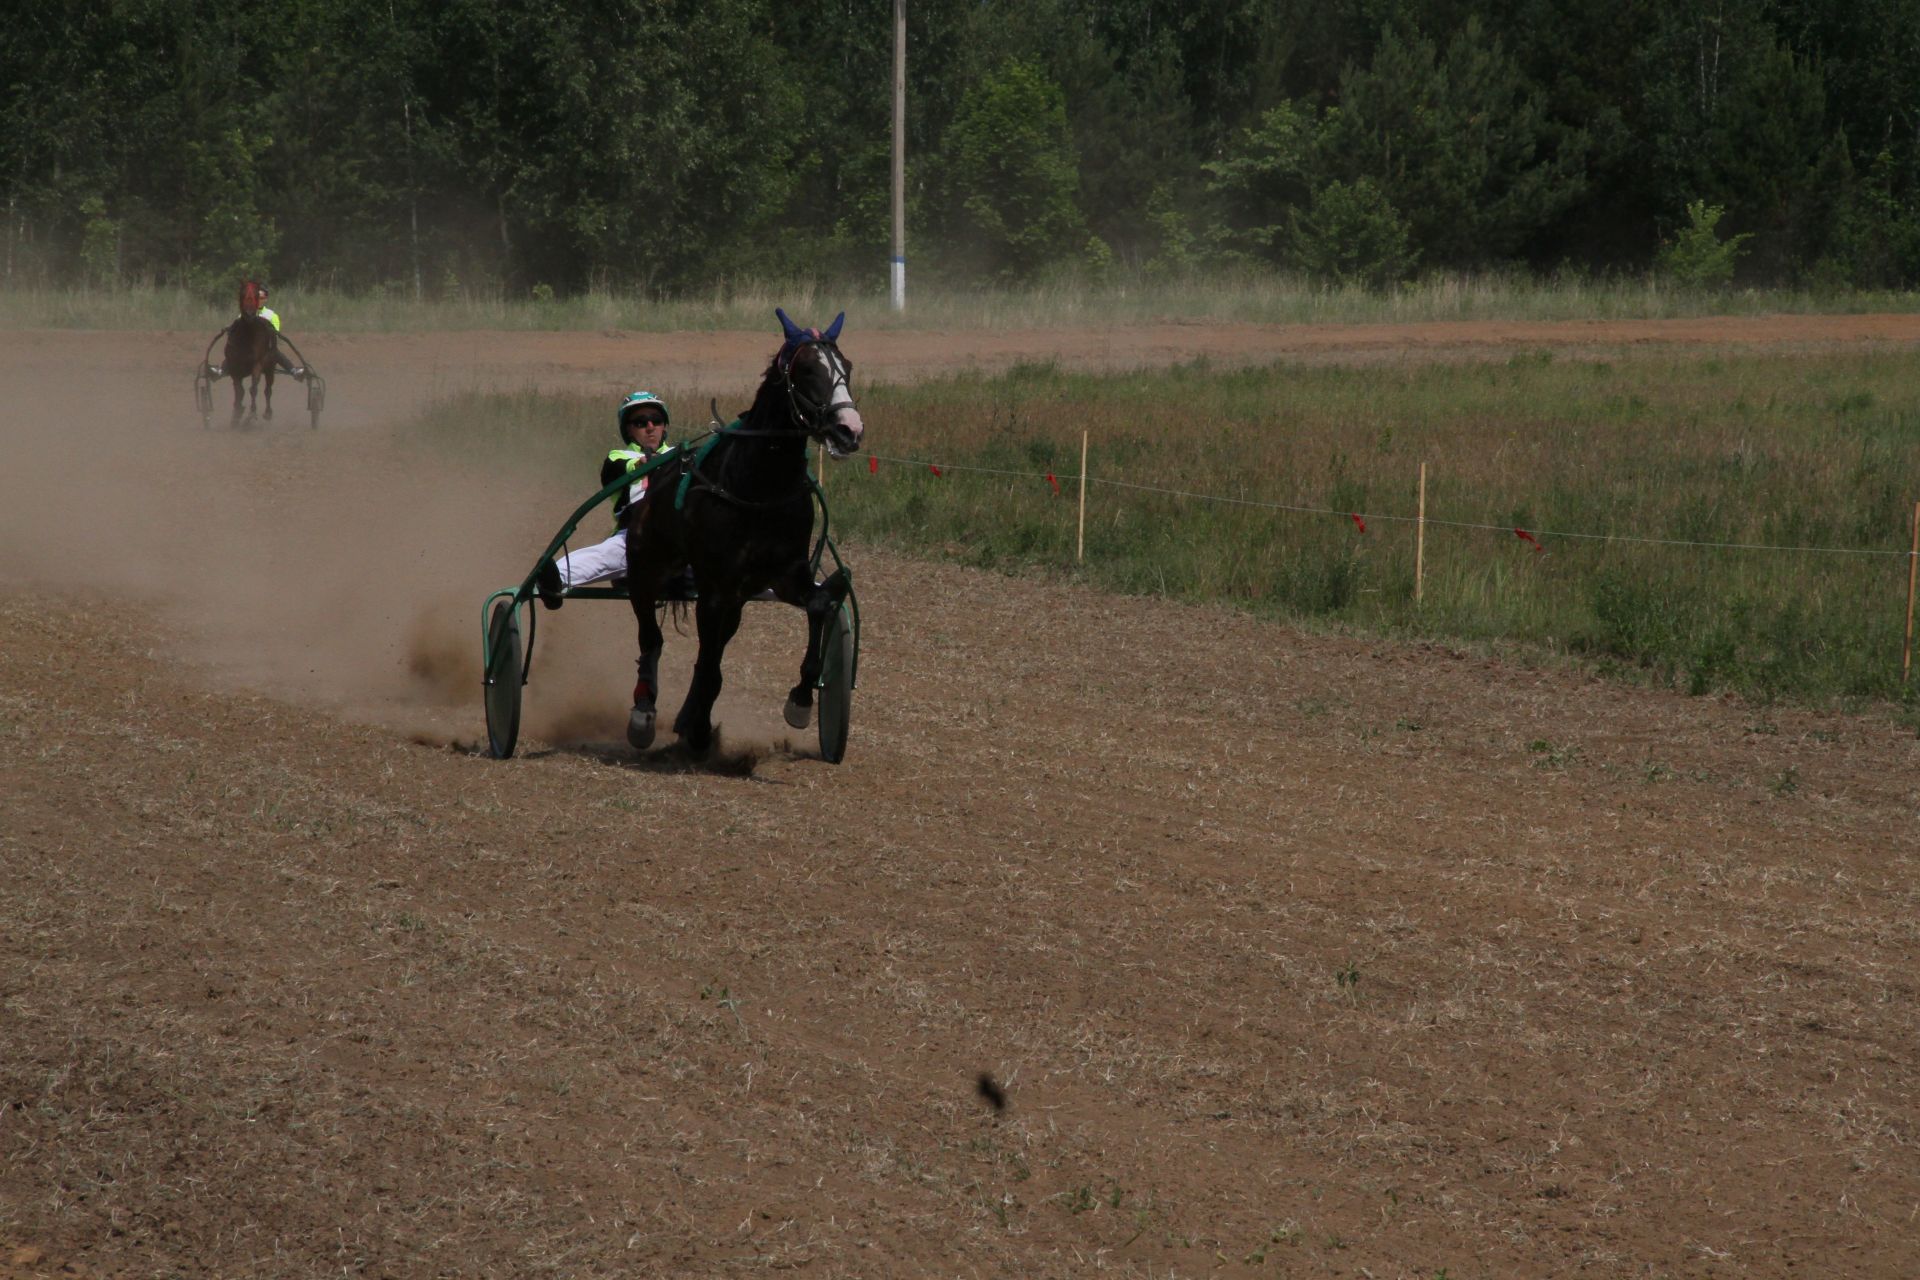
(634,458)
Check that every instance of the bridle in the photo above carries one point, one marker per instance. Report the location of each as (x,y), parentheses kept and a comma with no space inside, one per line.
(810,415)
(806,417)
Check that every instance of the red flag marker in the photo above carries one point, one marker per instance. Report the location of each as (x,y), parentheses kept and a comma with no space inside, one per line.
(1054,483)
(1526,537)
(873,465)
(934,467)
(1355,517)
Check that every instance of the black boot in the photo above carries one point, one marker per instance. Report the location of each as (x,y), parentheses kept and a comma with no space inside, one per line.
(548,586)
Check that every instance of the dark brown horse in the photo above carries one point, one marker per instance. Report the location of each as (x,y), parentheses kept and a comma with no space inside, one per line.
(740,511)
(252,352)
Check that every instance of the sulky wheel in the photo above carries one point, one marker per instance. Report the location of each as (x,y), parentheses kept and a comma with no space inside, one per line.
(203,397)
(836,687)
(504,675)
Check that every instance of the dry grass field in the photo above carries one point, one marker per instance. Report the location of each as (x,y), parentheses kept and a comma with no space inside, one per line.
(1279,954)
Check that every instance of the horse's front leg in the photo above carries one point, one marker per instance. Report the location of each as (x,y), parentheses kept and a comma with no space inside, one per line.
(646,689)
(716,620)
(821,601)
(239,405)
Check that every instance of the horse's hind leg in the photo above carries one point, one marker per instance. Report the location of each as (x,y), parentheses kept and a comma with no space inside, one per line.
(646,689)
(269,414)
(821,602)
(717,620)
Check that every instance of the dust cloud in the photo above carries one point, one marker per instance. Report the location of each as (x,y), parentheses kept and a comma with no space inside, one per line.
(341,569)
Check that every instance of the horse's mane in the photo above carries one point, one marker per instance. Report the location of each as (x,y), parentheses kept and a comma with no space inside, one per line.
(764,401)
(766,397)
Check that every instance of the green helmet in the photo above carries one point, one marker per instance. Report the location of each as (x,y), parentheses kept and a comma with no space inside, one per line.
(636,399)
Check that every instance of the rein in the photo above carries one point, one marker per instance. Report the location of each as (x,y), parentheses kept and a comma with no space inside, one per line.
(707,484)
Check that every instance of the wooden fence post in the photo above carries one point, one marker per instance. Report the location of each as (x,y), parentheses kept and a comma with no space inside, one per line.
(1913,565)
(1420,539)
(1080,547)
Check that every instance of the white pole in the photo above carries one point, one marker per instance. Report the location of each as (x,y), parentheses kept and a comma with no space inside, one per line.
(899,155)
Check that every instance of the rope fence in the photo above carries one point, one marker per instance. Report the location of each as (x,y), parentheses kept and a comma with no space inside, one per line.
(1420,521)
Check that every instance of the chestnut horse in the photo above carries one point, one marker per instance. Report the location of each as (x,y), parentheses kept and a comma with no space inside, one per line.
(252,347)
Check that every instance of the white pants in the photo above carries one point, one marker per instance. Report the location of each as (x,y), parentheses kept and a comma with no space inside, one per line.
(604,560)
(597,563)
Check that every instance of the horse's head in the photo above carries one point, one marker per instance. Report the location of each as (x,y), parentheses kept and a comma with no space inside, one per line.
(251,295)
(819,384)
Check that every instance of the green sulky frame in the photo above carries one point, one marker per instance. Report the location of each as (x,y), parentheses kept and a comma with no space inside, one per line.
(506,665)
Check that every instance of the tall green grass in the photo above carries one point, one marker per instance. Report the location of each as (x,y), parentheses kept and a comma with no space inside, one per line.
(1246,296)
(1756,455)
(1772,452)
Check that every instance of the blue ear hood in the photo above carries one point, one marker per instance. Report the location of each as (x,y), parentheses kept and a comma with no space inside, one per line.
(795,335)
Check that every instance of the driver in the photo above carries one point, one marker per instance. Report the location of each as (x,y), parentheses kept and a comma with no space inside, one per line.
(643,433)
(272,317)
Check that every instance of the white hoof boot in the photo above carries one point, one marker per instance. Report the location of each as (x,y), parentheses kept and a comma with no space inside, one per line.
(798,716)
(640,729)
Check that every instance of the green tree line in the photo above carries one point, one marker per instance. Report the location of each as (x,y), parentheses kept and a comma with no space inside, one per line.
(667,146)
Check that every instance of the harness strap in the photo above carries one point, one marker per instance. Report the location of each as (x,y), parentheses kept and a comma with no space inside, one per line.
(686,477)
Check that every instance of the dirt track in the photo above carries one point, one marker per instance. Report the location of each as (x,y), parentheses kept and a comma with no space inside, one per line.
(1293,955)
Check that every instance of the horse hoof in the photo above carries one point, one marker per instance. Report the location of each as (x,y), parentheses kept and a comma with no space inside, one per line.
(798,716)
(640,729)
(694,738)
(268,415)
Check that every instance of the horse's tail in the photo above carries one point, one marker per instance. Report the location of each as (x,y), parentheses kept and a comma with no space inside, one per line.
(248,351)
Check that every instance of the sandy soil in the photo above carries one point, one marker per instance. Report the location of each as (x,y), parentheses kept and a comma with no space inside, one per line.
(1284,954)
